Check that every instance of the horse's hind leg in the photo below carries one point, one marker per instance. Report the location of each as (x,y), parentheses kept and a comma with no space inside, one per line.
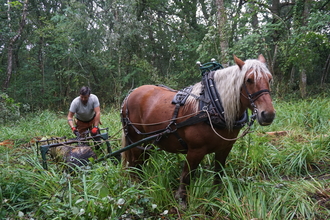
(192,161)
(130,156)
(133,157)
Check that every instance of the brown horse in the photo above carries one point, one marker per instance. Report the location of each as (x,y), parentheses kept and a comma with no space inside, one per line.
(148,110)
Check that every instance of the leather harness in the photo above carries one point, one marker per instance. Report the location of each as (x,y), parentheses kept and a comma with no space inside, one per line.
(209,100)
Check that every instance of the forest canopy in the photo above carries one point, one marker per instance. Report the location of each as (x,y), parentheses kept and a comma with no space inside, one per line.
(49,49)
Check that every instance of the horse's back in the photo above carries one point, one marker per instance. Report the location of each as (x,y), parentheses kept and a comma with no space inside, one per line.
(149,104)
(146,109)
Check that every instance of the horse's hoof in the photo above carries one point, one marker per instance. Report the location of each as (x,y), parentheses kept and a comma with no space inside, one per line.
(183,205)
(182,201)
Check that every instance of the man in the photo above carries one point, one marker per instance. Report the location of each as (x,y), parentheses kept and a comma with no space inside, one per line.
(86,109)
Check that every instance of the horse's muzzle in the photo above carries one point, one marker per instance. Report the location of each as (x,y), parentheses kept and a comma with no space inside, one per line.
(266,117)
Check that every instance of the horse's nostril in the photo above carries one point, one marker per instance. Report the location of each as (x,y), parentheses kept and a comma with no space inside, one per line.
(267,115)
(266,118)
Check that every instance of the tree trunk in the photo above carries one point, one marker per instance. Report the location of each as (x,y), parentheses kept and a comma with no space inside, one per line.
(325,71)
(222,20)
(12,42)
(254,18)
(303,83)
(234,37)
(303,76)
(292,76)
(275,9)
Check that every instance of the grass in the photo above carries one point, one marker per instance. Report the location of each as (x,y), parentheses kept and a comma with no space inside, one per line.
(266,177)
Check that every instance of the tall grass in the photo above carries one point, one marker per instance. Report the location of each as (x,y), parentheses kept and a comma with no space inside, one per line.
(266,177)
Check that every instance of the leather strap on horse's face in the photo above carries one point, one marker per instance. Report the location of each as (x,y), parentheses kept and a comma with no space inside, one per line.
(254,96)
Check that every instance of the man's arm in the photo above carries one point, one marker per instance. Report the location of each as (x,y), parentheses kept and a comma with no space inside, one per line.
(70,119)
(97,116)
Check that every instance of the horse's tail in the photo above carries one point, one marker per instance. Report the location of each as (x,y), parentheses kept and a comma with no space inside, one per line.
(130,156)
(125,155)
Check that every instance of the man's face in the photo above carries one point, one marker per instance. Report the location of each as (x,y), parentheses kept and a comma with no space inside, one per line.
(84,99)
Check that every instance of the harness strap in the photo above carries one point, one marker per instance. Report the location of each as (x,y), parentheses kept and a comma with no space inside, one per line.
(254,96)
(214,106)
(200,117)
(160,132)
(215,97)
(175,131)
(126,121)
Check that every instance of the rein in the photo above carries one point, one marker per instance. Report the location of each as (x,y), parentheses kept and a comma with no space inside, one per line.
(245,132)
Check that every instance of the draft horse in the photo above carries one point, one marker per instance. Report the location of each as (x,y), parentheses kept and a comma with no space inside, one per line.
(206,120)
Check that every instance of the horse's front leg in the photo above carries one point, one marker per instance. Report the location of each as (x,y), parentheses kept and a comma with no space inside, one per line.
(192,161)
(219,164)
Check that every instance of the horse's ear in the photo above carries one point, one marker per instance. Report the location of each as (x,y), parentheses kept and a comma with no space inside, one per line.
(261,58)
(239,62)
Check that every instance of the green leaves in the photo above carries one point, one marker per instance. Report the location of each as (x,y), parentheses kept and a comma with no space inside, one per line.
(10,110)
(15,4)
(113,46)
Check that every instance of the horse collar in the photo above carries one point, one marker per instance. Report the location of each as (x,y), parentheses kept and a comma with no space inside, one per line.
(214,105)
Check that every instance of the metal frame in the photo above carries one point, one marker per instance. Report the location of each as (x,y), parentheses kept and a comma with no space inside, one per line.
(50,144)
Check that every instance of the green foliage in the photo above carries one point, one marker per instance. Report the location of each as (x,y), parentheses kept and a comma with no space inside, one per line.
(10,110)
(305,50)
(119,45)
(250,45)
(15,4)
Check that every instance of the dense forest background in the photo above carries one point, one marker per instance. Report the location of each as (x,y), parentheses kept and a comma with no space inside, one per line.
(50,48)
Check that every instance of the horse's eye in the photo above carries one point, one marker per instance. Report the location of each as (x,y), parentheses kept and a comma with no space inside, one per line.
(249,80)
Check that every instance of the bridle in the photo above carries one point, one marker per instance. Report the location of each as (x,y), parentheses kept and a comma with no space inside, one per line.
(253,97)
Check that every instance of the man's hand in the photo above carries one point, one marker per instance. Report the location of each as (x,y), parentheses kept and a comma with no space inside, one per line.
(95,131)
(75,131)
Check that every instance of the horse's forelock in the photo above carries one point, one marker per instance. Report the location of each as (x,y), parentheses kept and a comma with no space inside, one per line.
(258,68)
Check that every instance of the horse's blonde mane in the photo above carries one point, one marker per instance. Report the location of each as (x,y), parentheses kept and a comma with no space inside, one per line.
(228,82)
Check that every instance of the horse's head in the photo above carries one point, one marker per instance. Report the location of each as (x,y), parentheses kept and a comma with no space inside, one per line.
(255,92)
